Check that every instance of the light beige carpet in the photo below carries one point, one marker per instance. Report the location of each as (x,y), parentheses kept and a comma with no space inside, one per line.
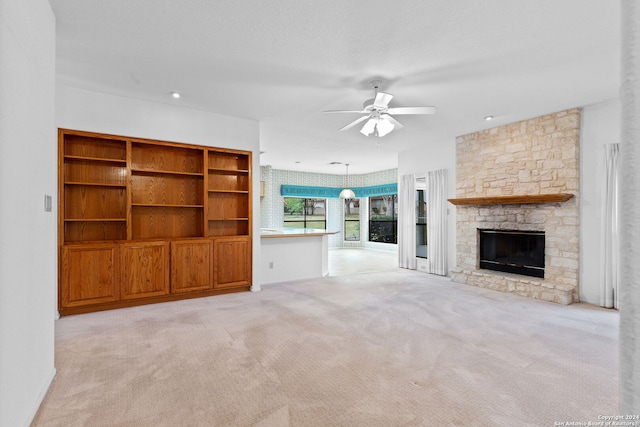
(343,261)
(397,348)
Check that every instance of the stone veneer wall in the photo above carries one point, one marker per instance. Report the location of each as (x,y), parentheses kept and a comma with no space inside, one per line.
(535,156)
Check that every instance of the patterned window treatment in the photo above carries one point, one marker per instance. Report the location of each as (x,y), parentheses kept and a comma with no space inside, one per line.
(610,232)
(437,221)
(407,222)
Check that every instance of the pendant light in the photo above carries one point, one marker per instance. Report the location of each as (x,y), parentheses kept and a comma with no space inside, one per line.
(347,193)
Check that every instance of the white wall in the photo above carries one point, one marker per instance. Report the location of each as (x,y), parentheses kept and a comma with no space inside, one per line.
(433,156)
(600,126)
(28,171)
(294,258)
(98,112)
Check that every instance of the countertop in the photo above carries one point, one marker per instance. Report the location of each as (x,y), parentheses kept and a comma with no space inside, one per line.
(294,232)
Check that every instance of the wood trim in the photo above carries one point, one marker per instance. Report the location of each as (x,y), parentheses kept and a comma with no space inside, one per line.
(61,210)
(250,202)
(66,131)
(129,196)
(512,200)
(205,193)
(65,311)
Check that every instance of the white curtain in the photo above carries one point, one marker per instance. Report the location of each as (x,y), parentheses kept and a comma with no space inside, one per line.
(407,222)
(437,221)
(610,233)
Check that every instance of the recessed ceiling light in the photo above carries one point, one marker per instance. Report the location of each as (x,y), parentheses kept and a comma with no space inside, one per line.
(175,95)
(487,118)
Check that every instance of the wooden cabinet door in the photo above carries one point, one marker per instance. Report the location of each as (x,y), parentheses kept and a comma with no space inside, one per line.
(89,274)
(232,262)
(145,269)
(191,265)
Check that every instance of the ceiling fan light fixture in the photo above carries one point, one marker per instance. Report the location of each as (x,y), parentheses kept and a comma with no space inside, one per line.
(384,127)
(368,127)
(378,116)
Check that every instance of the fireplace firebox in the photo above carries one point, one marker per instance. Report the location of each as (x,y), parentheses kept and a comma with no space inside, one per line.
(512,251)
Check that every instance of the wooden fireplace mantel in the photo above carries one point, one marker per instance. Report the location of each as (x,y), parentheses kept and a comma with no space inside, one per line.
(512,200)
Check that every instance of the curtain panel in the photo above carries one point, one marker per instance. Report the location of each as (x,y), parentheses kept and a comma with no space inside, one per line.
(407,222)
(437,222)
(610,255)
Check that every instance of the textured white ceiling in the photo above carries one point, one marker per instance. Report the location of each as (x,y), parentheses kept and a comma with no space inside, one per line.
(283,62)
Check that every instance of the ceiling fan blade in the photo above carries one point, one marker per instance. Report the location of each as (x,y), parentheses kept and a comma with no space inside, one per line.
(355,122)
(382,99)
(396,123)
(412,110)
(346,111)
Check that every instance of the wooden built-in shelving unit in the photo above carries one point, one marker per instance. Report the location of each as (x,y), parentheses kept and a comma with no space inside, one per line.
(228,194)
(146,221)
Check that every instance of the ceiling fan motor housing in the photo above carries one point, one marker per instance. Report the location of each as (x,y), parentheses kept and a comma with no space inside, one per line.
(368,103)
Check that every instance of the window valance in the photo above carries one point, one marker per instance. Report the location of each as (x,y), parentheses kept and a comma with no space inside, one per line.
(334,193)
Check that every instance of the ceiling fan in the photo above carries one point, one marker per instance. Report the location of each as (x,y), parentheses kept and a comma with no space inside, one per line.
(377,114)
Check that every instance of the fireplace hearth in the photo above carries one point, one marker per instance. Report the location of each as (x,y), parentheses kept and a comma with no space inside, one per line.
(512,251)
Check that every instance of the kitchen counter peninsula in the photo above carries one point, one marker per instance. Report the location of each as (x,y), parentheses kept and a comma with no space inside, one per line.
(293,254)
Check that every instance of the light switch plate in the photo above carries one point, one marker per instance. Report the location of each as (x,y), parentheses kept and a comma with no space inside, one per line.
(47,203)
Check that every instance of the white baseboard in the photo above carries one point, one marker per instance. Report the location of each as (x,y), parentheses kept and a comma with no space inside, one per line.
(422,264)
(43,392)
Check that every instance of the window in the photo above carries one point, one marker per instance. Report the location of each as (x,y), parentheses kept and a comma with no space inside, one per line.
(383,219)
(352,220)
(305,213)
(421,224)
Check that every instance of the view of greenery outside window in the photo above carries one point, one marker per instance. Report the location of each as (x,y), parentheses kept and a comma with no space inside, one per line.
(421,224)
(383,219)
(305,213)
(352,220)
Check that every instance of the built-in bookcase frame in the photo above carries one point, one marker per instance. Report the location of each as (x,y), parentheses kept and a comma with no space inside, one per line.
(117,190)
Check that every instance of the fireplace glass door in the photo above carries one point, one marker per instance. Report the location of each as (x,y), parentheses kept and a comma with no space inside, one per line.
(512,251)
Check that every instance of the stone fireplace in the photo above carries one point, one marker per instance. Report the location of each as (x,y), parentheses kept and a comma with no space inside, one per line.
(521,177)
